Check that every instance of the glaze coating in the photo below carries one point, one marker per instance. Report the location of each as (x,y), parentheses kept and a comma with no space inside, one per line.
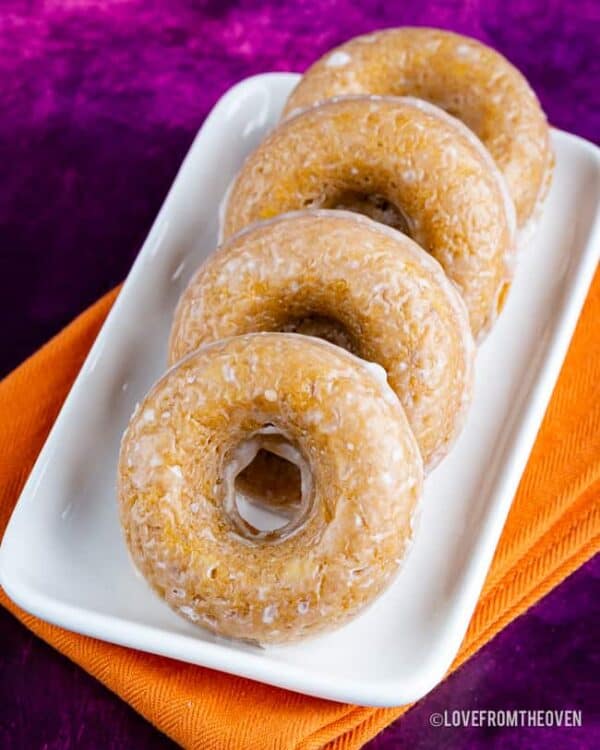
(462,76)
(360,284)
(188,439)
(404,162)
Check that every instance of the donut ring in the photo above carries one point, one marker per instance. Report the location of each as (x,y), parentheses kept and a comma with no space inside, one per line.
(361,284)
(362,477)
(401,160)
(462,76)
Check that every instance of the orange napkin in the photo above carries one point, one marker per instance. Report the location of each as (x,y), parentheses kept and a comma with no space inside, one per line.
(553,528)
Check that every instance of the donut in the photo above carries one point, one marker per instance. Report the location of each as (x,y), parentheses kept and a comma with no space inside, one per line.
(361,480)
(462,76)
(355,282)
(403,162)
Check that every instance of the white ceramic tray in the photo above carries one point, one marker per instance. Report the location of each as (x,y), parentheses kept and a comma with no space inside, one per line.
(63,557)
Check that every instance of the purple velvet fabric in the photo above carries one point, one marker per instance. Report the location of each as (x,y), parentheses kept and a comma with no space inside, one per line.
(100,100)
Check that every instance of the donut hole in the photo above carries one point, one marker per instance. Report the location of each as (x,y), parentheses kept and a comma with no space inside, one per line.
(268,486)
(271,481)
(373,205)
(322,327)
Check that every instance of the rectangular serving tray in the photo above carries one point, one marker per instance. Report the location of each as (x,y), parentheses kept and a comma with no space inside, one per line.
(63,557)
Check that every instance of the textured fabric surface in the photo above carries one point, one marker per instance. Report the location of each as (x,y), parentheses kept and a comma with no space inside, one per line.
(100,101)
(553,527)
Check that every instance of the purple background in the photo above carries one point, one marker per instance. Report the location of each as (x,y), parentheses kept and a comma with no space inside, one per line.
(100,101)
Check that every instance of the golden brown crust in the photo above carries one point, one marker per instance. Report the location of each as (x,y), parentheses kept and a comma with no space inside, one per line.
(175,487)
(356,282)
(424,163)
(462,76)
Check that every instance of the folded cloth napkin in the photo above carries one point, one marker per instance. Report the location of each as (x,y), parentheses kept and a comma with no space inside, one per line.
(553,528)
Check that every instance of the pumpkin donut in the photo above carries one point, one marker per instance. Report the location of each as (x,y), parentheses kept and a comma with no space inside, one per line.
(404,162)
(355,282)
(462,76)
(361,480)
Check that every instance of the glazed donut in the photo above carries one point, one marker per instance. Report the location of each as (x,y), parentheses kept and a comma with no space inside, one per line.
(359,284)
(361,480)
(402,161)
(458,74)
